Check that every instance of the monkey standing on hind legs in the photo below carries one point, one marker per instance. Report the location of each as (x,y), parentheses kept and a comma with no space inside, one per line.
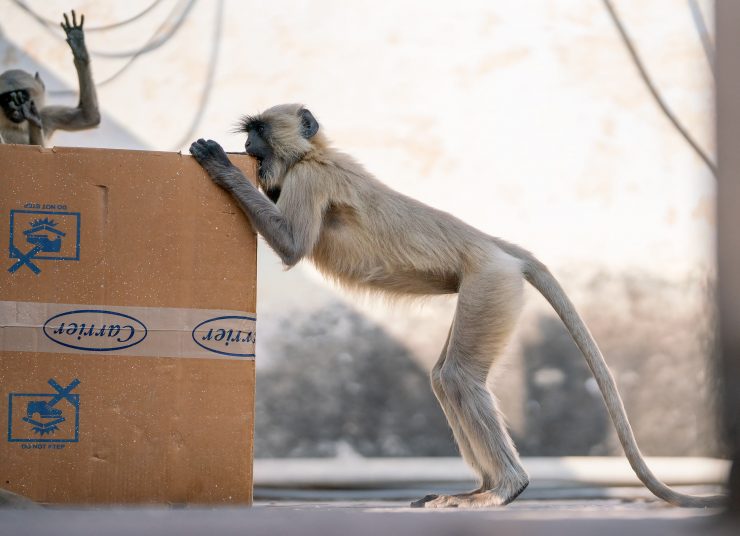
(25,119)
(323,205)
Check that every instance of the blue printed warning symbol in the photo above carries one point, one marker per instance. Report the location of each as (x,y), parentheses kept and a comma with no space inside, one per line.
(45,417)
(42,235)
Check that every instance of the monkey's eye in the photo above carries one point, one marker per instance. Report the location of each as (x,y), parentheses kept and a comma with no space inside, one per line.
(260,129)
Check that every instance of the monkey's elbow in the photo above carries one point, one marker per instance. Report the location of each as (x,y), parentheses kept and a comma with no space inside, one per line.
(87,116)
(93,119)
(290,260)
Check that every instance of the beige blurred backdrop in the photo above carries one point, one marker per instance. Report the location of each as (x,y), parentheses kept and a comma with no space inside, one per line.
(527,119)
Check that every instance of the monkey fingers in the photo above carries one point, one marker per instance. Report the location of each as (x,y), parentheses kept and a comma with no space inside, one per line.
(66,26)
(209,151)
(31,113)
(211,156)
(17,98)
(421,502)
(76,36)
(15,106)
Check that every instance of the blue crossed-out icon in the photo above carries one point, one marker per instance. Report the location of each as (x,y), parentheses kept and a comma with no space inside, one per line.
(24,258)
(50,417)
(40,235)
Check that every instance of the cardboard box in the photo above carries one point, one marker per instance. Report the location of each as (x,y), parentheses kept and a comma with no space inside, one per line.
(127,321)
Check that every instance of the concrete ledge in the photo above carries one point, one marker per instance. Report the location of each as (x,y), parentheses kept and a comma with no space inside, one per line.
(357,472)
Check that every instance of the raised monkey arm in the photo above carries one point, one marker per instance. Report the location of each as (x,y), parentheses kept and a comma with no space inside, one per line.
(86,114)
(290,232)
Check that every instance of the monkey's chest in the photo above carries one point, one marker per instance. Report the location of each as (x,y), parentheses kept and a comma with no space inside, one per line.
(16,136)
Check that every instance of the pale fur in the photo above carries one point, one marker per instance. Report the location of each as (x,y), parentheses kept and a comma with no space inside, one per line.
(364,235)
(85,115)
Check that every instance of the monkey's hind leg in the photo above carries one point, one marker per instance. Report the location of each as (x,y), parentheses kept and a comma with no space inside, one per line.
(466,449)
(488,306)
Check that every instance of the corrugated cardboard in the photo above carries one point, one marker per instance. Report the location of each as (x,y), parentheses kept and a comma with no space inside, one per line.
(127,312)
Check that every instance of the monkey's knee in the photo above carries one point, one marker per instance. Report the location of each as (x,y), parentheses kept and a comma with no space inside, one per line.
(454,382)
(435,377)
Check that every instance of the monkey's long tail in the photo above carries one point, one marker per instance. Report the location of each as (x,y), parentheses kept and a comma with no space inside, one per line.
(540,277)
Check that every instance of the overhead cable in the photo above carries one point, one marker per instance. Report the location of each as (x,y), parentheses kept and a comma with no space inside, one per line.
(654,91)
(48,22)
(701,29)
(210,77)
(150,45)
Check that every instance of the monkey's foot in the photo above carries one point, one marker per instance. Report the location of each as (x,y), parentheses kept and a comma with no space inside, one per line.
(474,499)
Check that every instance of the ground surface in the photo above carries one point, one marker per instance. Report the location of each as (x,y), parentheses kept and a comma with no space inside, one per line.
(568,496)
(551,517)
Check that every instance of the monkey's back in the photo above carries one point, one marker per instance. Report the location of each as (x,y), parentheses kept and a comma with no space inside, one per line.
(373,236)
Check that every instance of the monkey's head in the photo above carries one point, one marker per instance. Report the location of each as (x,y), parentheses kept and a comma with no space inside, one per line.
(278,138)
(18,87)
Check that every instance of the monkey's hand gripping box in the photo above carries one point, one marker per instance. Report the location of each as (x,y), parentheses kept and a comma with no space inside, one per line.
(127,329)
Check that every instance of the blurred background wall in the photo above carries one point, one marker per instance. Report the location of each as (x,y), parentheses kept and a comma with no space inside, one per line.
(527,119)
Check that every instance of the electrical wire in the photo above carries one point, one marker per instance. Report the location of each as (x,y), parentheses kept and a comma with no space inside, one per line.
(148,46)
(654,91)
(701,29)
(52,23)
(153,43)
(210,77)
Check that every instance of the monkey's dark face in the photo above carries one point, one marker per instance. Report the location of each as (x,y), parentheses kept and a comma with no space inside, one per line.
(257,145)
(12,104)
(277,139)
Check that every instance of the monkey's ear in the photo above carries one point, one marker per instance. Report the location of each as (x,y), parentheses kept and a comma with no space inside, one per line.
(38,79)
(309,125)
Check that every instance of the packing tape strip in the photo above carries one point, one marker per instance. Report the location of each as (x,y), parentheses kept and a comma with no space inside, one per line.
(130,331)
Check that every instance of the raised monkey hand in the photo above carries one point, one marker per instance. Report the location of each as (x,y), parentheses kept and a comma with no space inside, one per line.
(76,37)
(211,156)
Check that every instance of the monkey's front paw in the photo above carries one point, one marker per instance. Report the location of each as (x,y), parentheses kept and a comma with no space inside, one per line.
(31,113)
(212,157)
(209,153)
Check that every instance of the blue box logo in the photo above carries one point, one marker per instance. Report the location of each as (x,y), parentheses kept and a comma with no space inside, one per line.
(42,235)
(45,417)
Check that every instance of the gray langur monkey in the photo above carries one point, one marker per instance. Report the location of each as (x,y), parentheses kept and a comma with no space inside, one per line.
(25,118)
(323,205)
